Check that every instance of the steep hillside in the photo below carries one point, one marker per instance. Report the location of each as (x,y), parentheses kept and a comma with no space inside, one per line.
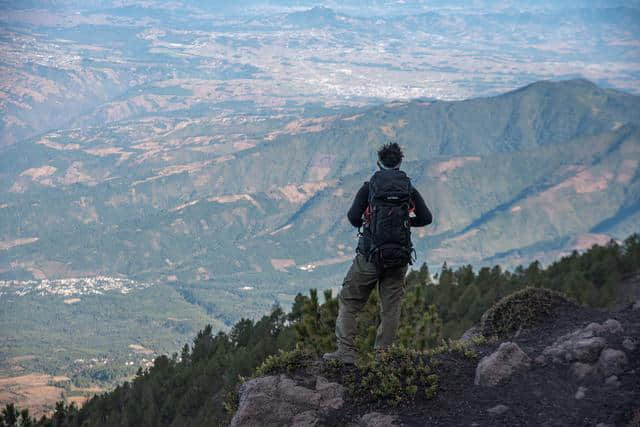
(534,357)
(552,166)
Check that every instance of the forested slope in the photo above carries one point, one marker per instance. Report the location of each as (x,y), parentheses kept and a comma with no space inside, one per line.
(198,386)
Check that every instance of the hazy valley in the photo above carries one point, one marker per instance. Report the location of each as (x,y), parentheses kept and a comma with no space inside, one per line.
(162,168)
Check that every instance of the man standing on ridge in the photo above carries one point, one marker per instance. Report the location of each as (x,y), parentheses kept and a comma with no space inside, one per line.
(386,207)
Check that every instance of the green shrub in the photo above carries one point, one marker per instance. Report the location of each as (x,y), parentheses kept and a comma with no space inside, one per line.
(521,309)
(393,376)
(454,346)
(285,362)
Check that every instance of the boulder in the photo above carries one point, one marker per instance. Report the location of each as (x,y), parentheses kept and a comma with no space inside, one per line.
(277,400)
(612,381)
(612,326)
(612,362)
(595,328)
(329,395)
(582,345)
(306,419)
(376,419)
(501,364)
(582,390)
(582,370)
(587,349)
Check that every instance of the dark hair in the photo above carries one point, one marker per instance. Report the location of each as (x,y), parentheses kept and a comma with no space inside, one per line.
(390,155)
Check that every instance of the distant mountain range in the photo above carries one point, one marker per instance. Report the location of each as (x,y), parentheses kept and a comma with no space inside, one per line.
(83,64)
(529,174)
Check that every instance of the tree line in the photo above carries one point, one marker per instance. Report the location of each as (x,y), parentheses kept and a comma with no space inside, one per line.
(198,386)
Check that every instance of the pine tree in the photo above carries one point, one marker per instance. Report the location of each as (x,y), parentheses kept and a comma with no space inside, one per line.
(9,416)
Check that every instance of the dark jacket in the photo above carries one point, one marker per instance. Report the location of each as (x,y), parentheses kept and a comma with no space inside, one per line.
(422,214)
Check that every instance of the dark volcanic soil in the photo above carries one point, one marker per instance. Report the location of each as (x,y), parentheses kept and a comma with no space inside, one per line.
(541,396)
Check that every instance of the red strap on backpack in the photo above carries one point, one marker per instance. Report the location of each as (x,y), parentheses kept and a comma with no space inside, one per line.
(367,215)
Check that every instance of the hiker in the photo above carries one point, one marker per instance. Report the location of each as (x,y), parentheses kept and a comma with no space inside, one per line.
(385,207)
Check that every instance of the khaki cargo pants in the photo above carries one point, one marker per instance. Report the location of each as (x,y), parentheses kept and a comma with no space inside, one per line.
(358,285)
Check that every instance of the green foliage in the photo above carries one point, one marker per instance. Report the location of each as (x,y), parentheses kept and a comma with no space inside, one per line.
(419,327)
(285,362)
(316,322)
(453,346)
(11,417)
(393,376)
(521,309)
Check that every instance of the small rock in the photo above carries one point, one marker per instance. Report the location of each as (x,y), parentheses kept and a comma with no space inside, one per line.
(612,362)
(556,354)
(582,370)
(588,349)
(469,334)
(582,390)
(376,419)
(594,328)
(629,344)
(612,381)
(540,360)
(636,306)
(603,425)
(498,409)
(501,364)
(612,326)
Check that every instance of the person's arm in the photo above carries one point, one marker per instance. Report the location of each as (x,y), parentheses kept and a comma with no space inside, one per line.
(360,203)
(423,214)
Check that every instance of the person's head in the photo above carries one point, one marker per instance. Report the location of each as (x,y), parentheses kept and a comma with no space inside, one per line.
(390,156)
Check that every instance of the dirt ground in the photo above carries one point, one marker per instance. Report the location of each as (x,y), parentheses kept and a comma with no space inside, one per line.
(36,392)
(540,396)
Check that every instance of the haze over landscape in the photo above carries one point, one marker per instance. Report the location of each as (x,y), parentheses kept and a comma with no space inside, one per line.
(168,165)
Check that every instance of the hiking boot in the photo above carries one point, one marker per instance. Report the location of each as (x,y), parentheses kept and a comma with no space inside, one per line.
(344,356)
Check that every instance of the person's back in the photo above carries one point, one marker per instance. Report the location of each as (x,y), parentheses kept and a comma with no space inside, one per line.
(382,208)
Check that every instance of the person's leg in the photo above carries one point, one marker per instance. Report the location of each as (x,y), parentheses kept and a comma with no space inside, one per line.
(391,289)
(356,288)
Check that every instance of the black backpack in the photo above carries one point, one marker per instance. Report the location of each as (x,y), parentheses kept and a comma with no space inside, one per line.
(389,226)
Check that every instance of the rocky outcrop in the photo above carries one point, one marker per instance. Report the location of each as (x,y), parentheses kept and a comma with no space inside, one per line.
(501,364)
(589,352)
(278,401)
(584,370)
